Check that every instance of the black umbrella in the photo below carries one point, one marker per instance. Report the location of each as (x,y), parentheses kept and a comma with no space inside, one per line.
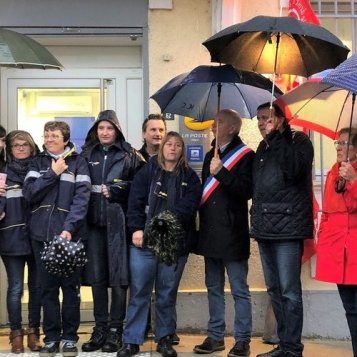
(267,44)
(200,94)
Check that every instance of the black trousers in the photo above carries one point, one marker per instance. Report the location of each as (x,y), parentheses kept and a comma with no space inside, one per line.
(348,294)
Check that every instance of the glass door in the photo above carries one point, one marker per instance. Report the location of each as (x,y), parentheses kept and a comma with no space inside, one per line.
(76,101)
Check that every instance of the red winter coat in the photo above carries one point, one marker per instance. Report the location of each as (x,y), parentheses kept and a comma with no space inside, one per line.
(337,238)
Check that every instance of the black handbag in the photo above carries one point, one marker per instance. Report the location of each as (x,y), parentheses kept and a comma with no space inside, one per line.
(62,257)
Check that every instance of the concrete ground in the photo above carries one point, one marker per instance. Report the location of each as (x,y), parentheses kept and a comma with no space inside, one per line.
(313,347)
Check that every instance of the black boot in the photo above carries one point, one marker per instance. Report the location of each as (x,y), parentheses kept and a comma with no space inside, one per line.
(165,347)
(128,350)
(96,341)
(113,341)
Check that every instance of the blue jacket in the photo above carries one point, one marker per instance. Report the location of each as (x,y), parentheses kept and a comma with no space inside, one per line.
(186,195)
(57,202)
(14,235)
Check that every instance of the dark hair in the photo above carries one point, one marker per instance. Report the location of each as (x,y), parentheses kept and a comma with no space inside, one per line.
(2,131)
(153,117)
(182,163)
(59,125)
(2,153)
(277,110)
(352,132)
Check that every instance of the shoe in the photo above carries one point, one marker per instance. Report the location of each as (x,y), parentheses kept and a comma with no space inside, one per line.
(113,341)
(293,354)
(240,348)
(209,345)
(69,349)
(276,352)
(165,347)
(17,341)
(175,340)
(96,341)
(33,339)
(128,350)
(49,349)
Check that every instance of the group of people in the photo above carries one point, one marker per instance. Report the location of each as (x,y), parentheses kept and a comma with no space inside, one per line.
(136,213)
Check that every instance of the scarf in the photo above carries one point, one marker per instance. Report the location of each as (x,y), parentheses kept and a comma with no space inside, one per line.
(20,167)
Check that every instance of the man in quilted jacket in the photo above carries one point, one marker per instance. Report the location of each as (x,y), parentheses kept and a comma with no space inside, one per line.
(282,217)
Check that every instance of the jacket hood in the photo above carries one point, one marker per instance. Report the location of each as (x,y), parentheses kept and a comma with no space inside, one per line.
(106,115)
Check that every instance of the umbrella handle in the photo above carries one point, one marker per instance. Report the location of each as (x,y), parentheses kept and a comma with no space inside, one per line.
(219,90)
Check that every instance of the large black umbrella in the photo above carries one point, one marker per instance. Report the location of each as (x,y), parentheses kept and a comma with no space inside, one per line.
(267,44)
(199,94)
(20,51)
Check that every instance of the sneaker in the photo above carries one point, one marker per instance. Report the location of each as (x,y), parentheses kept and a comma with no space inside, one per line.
(175,339)
(113,341)
(276,352)
(96,341)
(165,347)
(69,349)
(49,349)
(209,345)
(240,348)
(128,350)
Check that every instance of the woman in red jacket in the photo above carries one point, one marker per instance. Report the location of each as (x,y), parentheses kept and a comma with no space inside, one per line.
(337,238)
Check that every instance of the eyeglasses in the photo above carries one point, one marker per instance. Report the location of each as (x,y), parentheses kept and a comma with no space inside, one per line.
(341,143)
(52,137)
(22,146)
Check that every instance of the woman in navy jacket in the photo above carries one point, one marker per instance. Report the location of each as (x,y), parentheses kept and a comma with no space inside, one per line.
(58,188)
(166,183)
(15,246)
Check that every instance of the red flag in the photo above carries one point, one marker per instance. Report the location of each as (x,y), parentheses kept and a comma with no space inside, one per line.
(302,10)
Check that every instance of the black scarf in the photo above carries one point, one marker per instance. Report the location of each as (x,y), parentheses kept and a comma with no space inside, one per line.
(20,167)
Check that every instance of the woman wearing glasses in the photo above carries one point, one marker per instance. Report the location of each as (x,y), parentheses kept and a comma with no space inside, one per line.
(337,237)
(165,191)
(15,247)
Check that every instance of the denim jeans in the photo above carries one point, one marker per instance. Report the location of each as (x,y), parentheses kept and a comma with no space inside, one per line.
(15,266)
(59,323)
(348,294)
(281,263)
(98,259)
(237,272)
(146,271)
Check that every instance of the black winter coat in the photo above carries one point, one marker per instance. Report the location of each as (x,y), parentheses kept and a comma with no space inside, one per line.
(282,194)
(14,235)
(58,203)
(224,231)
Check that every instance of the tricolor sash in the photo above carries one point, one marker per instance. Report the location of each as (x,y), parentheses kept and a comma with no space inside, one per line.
(228,161)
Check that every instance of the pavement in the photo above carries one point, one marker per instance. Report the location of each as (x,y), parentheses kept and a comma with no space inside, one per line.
(313,347)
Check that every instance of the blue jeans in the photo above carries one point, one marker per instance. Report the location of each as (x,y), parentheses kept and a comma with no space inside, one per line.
(104,317)
(237,272)
(145,271)
(59,322)
(281,263)
(15,266)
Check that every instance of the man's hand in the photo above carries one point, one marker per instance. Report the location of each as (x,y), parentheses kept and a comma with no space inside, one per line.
(59,166)
(67,235)
(215,166)
(138,239)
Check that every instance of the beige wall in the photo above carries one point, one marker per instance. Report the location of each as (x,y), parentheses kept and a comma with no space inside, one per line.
(178,33)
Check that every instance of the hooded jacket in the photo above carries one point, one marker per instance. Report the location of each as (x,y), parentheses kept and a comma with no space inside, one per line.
(115,167)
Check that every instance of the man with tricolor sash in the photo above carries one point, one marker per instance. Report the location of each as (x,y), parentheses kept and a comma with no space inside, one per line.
(224,233)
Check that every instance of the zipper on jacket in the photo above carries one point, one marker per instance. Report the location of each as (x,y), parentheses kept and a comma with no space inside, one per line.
(102,198)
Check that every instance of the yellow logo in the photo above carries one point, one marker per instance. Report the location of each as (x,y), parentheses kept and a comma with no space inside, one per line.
(198,125)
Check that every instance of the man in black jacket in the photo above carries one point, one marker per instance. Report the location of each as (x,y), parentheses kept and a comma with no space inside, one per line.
(112,165)
(282,218)
(224,233)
